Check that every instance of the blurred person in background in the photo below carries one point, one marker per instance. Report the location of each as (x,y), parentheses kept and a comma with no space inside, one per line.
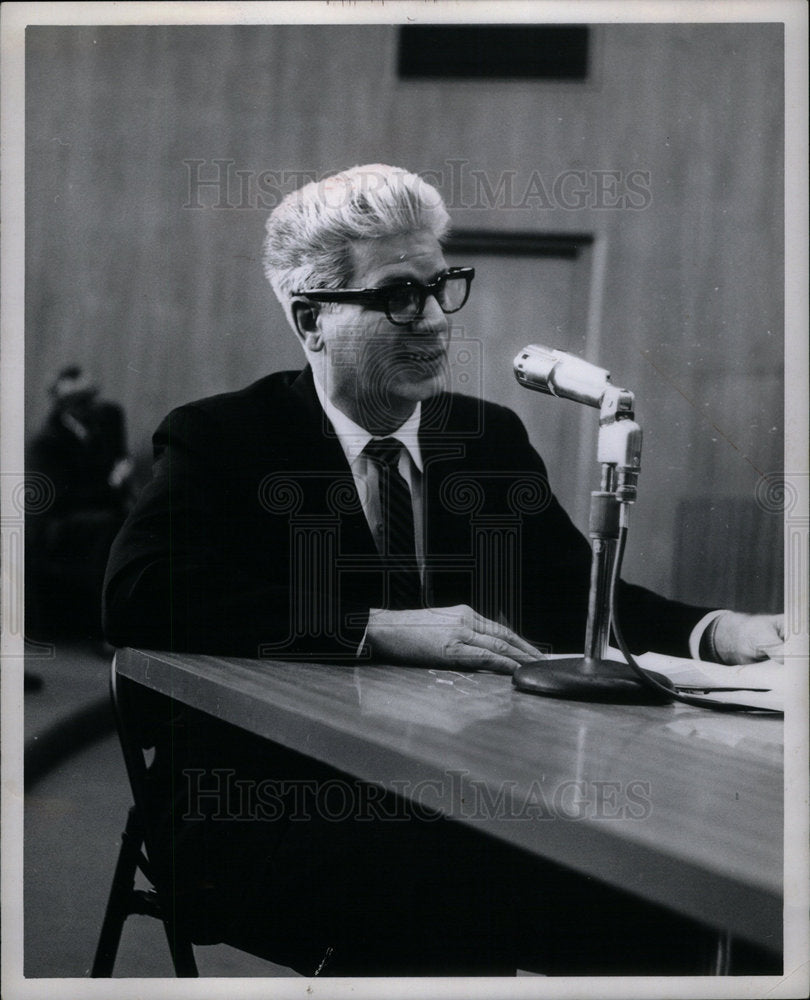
(81,450)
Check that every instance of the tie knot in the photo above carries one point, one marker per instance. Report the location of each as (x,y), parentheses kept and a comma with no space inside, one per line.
(384,451)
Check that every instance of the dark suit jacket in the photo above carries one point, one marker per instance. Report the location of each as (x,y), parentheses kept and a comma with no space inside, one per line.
(250,539)
(68,539)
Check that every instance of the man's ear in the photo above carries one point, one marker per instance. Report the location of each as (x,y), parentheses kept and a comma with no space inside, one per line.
(305,317)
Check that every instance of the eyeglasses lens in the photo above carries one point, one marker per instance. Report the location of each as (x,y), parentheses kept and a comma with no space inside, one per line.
(405,304)
(452,294)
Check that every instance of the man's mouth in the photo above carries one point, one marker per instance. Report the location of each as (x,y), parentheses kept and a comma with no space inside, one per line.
(423,355)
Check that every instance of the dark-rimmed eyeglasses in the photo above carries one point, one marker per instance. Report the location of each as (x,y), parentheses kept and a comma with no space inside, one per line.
(404,301)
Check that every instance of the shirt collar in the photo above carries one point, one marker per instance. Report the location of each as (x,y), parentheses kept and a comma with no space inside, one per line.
(354,438)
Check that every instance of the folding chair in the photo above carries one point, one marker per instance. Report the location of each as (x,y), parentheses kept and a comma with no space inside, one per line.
(125,899)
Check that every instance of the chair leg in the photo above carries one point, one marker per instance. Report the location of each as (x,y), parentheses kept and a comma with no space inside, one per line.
(118,904)
(182,951)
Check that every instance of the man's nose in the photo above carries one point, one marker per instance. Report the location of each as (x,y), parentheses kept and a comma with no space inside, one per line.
(432,319)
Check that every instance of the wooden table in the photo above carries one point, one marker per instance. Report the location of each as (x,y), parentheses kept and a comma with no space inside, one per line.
(678,805)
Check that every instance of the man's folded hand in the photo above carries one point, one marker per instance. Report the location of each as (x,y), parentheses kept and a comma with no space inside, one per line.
(456,637)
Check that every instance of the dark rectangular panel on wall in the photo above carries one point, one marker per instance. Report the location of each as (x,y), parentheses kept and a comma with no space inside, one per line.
(515,51)
(514,244)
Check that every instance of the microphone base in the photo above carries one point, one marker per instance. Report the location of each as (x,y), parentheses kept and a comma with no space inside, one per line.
(587,679)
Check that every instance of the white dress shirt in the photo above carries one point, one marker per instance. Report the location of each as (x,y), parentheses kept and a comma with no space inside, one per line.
(353,439)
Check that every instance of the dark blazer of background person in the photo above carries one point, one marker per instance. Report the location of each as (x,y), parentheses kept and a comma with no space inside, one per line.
(251,540)
(81,461)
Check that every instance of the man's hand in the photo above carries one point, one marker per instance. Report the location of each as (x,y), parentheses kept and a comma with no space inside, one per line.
(745,638)
(454,637)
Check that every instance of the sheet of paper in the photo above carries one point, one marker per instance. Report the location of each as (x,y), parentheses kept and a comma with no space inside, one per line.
(759,685)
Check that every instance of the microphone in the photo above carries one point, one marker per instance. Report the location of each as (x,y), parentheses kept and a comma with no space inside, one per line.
(592,677)
(559,374)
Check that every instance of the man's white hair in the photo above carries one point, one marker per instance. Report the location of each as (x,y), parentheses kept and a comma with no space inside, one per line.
(310,231)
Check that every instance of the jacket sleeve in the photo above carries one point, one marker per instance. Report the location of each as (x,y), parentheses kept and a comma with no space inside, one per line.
(176,580)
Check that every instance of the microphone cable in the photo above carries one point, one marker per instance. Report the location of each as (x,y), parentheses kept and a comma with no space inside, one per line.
(644,677)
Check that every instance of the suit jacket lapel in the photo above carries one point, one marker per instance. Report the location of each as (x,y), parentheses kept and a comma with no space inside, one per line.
(322,461)
(448,487)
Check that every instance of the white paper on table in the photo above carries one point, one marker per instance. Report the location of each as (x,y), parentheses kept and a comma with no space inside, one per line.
(757,685)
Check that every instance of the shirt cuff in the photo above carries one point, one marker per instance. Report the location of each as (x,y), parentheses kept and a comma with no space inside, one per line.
(698,632)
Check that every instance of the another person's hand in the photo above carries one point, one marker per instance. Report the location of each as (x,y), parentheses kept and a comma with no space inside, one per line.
(456,637)
(120,472)
(742,638)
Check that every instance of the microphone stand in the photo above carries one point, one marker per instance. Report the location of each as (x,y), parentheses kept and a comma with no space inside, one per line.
(592,677)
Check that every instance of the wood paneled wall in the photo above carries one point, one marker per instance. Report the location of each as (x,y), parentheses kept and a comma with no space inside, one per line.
(163,301)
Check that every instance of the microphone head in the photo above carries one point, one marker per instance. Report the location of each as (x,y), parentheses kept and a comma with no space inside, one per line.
(557,373)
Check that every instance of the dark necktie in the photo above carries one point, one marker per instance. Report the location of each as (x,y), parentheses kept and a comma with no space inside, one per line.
(399,548)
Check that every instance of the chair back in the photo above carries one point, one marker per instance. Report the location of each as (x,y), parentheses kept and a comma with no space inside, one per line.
(133,752)
(124,899)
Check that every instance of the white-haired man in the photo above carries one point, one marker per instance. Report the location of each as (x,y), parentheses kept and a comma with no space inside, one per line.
(364,449)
